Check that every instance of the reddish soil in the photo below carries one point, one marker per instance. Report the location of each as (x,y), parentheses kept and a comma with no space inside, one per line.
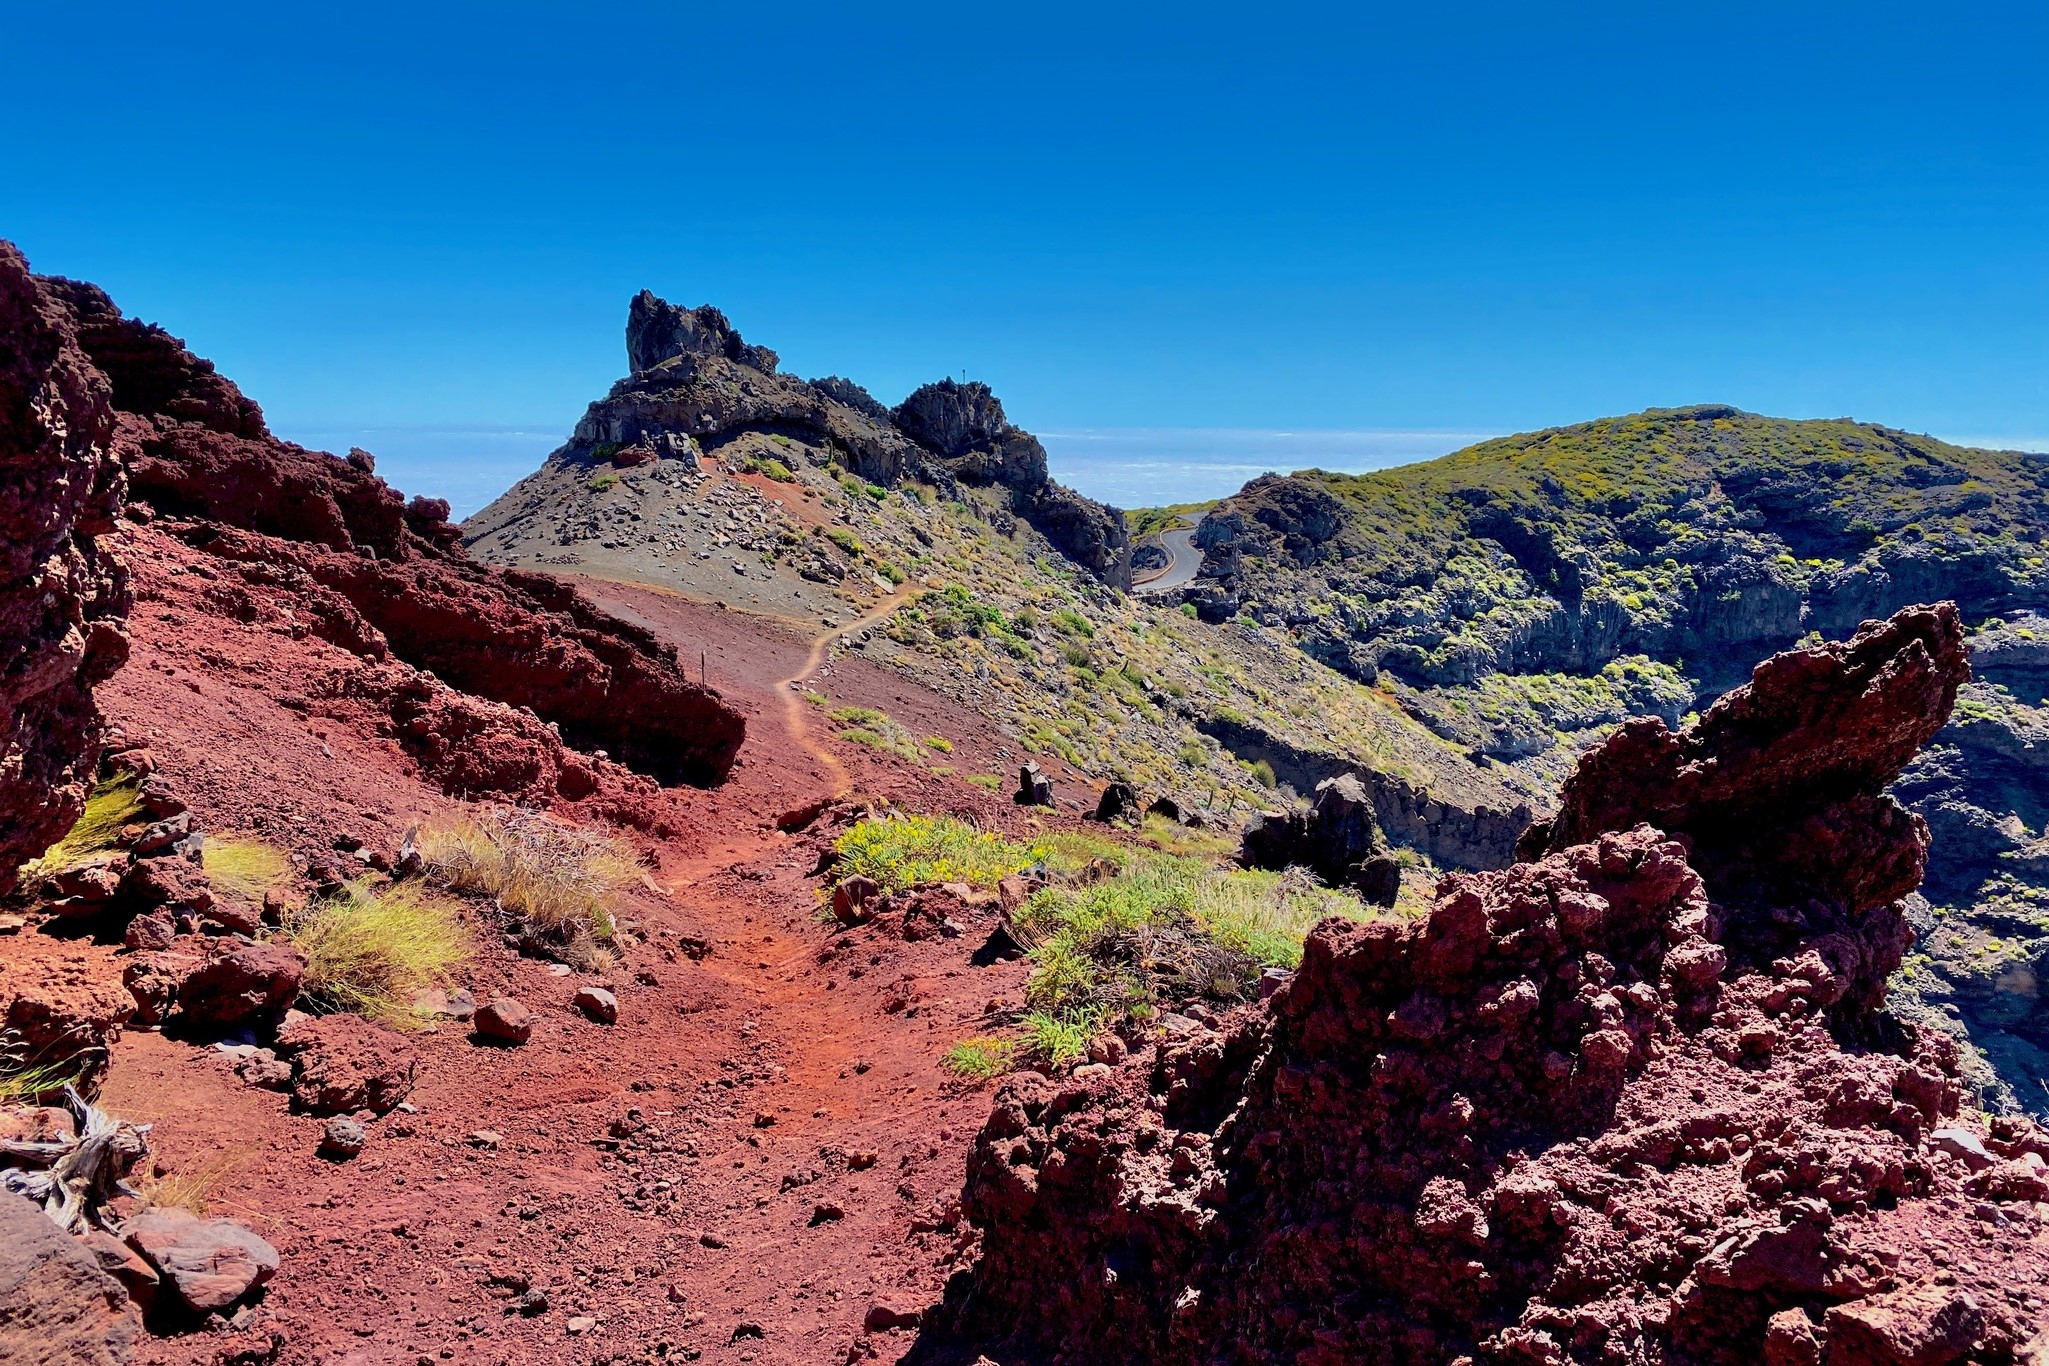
(759,1072)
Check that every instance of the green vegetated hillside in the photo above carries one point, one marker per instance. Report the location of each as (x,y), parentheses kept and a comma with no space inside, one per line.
(1523,595)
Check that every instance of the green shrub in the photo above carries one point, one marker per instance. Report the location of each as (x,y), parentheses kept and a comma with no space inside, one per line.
(899,852)
(600,482)
(109,806)
(978,1059)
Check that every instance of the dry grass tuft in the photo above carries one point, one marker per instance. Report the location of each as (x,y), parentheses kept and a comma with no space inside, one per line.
(369,949)
(245,867)
(112,804)
(559,880)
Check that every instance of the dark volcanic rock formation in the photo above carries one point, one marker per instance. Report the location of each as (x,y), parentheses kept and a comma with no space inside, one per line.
(697,386)
(62,599)
(386,579)
(1336,837)
(1556,1120)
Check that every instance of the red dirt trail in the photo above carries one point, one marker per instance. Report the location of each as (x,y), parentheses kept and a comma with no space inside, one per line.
(796,1152)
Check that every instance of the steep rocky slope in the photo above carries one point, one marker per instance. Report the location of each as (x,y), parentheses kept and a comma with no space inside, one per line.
(385,580)
(710,472)
(1523,596)
(1634,1100)
(62,597)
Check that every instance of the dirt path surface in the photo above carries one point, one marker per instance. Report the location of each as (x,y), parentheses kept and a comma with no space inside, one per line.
(758,1159)
(795,710)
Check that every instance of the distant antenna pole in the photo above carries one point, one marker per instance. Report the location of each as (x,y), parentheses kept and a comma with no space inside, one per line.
(702,677)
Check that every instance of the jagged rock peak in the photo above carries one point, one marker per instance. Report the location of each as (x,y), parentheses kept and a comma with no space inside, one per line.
(657,330)
(966,423)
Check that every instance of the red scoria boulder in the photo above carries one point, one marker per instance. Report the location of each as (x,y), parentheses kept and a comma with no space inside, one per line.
(1559,1119)
(241,983)
(63,600)
(343,1063)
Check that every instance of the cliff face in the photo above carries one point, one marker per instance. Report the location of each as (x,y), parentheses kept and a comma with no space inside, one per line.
(63,599)
(1627,1102)
(697,387)
(386,578)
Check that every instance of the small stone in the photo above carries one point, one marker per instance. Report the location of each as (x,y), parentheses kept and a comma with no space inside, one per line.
(534,1301)
(343,1138)
(884,1317)
(708,1239)
(598,1003)
(485,1138)
(579,1325)
(1962,1143)
(503,1021)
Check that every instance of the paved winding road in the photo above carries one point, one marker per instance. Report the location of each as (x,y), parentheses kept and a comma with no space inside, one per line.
(1184,562)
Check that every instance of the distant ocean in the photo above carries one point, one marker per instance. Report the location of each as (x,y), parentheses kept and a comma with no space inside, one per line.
(1130,467)
(1134,467)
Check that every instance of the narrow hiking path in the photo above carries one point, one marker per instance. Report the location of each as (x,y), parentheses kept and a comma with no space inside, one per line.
(796,710)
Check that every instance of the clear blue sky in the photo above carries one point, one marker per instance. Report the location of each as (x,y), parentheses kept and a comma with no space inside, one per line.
(1478,217)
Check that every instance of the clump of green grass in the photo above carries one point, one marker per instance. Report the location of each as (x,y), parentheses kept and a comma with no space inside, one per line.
(900,852)
(978,1059)
(939,743)
(112,804)
(370,948)
(600,482)
(857,716)
(1161,931)
(244,867)
(993,782)
(29,1080)
(558,879)
(1057,1040)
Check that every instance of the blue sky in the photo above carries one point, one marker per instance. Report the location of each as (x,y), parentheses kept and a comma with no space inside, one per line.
(1462,218)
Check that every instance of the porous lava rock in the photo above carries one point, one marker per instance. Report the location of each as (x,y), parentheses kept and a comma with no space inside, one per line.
(1779,793)
(57,1307)
(344,1063)
(235,984)
(386,578)
(1556,1119)
(63,599)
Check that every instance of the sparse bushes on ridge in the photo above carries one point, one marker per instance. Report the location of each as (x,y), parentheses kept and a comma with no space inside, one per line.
(369,948)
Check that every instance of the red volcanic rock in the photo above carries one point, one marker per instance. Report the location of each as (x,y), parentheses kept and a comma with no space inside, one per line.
(57,1307)
(382,577)
(64,600)
(343,1063)
(244,982)
(1778,791)
(1556,1120)
(207,1263)
(504,1020)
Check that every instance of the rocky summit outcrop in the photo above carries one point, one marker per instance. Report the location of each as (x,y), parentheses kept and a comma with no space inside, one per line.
(1560,1118)
(63,598)
(385,578)
(696,387)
